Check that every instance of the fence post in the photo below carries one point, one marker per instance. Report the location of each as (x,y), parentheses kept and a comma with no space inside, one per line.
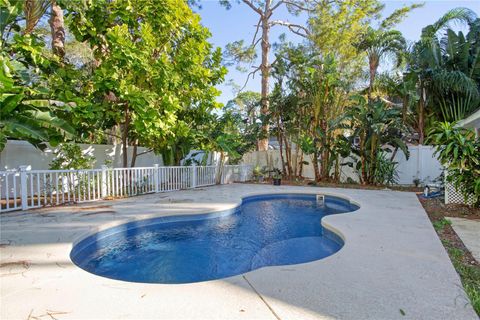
(23,186)
(194,176)
(104,181)
(155,178)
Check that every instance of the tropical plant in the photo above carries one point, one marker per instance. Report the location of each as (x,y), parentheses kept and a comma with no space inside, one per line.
(440,80)
(458,150)
(379,129)
(380,44)
(26,111)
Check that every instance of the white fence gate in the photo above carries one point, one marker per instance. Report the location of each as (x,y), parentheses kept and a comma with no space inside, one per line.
(25,189)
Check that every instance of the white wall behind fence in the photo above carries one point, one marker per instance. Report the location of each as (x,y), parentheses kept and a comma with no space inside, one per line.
(17,153)
(422,164)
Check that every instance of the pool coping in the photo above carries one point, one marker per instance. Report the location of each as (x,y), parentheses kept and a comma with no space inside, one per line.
(214,214)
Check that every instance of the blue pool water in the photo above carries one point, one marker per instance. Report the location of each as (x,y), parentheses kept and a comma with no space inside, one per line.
(265,230)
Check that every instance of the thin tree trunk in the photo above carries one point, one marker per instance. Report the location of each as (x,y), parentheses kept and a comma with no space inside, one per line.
(58,30)
(421,116)
(134,154)
(288,151)
(280,142)
(265,70)
(300,168)
(315,166)
(363,160)
(125,137)
(373,72)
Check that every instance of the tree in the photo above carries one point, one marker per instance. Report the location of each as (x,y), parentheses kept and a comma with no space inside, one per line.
(425,65)
(150,71)
(384,42)
(336,28)
(240,52)
(378,129)
(28,110)
(57,30)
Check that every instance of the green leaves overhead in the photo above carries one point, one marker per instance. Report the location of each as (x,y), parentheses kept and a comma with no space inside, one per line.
(151,70)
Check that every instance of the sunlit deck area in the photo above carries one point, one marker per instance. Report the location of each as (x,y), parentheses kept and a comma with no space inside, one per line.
(392,265)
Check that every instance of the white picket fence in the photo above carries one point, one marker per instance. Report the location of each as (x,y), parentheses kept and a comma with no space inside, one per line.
(24,189)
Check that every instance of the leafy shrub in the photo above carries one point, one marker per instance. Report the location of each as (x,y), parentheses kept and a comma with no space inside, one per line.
(70,156)
(458,150)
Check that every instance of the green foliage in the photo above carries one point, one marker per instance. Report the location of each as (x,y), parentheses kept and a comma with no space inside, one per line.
(336,27)
(379,129)
(156,76)
(386,170)
(470,274)
(458,150)
(27,109)
(440,224)
(70,156)
(446,69)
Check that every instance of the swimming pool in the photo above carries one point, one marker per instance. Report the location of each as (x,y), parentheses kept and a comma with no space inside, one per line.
(265,230)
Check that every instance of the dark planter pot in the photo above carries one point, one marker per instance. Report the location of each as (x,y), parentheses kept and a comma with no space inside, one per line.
(277,182)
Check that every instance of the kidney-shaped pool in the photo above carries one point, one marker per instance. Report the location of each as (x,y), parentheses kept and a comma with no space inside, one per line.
(266,230)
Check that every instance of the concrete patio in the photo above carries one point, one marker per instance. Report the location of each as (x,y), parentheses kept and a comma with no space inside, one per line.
(392,266)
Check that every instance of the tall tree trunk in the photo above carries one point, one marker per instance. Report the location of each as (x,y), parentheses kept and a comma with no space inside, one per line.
(280,142)
(126,126)
(373,66)
(315,166)
(288,152)
(58,30)
(364,176)
(134,154)
(421,115)
(265,70)
(300,167)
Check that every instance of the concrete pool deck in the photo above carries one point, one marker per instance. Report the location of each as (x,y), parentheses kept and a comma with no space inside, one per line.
(392,266)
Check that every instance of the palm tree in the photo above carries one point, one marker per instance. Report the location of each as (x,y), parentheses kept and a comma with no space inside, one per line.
(426,65)
(384,43)
(380,44)
(34,10)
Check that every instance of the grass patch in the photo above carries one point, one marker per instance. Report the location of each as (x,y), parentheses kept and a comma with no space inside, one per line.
(470,274)
(465,265)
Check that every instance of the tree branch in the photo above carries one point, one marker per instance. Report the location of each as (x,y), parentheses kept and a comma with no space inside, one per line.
(297,5)
(144,152)
(256,33)
(291,27)
(113,135)
(277,5)
(248,77)
(250,4)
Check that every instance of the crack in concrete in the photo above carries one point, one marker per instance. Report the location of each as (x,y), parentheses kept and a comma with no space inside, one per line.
(261,298)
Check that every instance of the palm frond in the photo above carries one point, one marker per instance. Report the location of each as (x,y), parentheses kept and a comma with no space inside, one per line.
(34,10)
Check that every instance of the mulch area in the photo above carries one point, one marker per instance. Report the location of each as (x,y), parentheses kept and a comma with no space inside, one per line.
(309,182)
(437,211)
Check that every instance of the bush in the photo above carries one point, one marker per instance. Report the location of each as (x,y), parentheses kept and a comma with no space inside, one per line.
(70,156)
(458,150)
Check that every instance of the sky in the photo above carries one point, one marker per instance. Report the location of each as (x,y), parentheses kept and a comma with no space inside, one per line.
(238,23)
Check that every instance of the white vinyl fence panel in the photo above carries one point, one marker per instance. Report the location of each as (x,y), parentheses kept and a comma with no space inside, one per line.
(25,189)
(422,164)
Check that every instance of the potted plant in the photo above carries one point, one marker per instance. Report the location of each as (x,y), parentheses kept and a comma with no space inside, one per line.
(258,174)
(277,177)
